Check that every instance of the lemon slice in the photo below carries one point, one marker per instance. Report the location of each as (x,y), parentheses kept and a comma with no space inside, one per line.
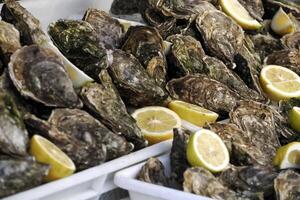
(206,149)
(280,83)
(282,23)
(294,118)
(156,123)
(48,153)
(192,113)
(235,10)
(288,156)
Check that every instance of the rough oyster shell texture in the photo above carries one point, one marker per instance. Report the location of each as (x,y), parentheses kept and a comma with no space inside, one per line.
(287,185)
(291,41)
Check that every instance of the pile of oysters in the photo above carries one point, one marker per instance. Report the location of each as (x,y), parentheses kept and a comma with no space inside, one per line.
(212,62)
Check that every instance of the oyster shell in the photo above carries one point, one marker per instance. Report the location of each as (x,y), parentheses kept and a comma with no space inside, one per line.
(254,7)
(84,127)
(104,101)
(254,179)
(79,42)
(287,185)
(84,152)
(221,35)
(136,87)
(146,44)
(286,58)
(124,7)
(109,31)
(291,41)
(38,73)
(9,41)
(153,172)
(178,157)
(17,175)
(257,120)
(205,92)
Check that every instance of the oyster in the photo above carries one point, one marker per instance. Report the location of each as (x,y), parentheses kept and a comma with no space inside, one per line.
(124,7)
(203,91)
(82,149)
(287,185)
(291,41)
(257,120)
(254,7)
(104,101)
(17,175)
(109,31)
(241,149)
(136,87)
(38,73)
(153,172)
(178,157)
(79,42)
(84,127)
(254,179)
(223,38)
(13,135)
(286,58)
(9,41)
(146,44)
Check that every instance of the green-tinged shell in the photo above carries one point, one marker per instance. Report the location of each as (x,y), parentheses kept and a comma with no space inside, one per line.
(203,91)
(84,127)
(291,41)
(287,185)
(136,87)
(38,73)
(9,41)
(146,44)
(153,172)
(104,101)
(83,150)
(221,35)
(17,175)
(109,30)
(254,7)
(79,42)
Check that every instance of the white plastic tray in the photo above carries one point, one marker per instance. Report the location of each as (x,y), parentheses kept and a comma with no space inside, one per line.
(139,190)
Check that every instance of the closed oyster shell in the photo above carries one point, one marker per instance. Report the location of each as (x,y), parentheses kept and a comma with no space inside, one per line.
(109,30)
(287,185)
(257,120)
(205,92)
(79,42)
(104,101)
(136,87)
(254,7)
(38,73)
(153,172)
(146,44)
(124,7)
(18,175)
(84,127)
(221,35)
(291,41)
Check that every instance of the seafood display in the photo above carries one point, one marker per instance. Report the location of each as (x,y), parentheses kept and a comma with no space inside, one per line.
(88,86)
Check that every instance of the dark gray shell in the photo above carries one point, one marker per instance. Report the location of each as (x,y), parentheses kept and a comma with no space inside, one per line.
(84,127)
(17,175)
(124,7)
(254,7)
(291,41)
(287,185)
(109,30)
(258,121)
(153,172)
(203,91)
(136,87)
(146,44)
(79,42)
(104,101)
(82,152)
(221,35)
(38,73)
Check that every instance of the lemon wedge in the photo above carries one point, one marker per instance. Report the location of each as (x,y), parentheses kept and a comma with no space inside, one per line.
(157,123)
(280,83)
(193,113)
(235,10)
(206,149)
(48,153)
(288,156)
(282,23)
(294,118)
